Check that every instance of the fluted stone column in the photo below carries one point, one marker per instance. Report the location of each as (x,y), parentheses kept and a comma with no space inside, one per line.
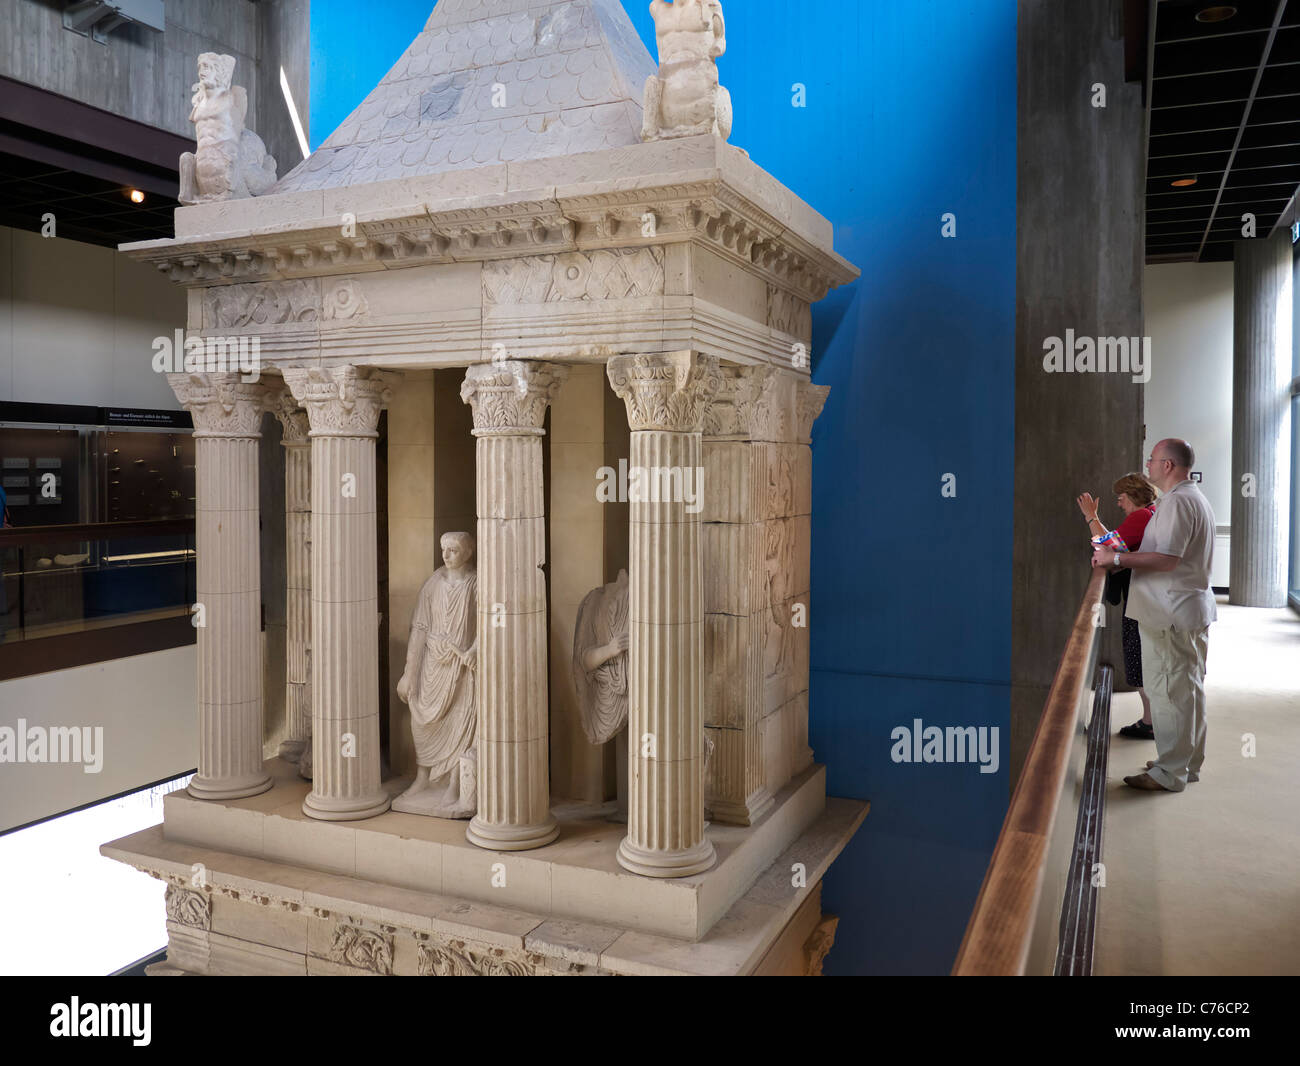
(666,397)
(343,406)
(297,527)
(509,400)
(1261,421)
(227,428)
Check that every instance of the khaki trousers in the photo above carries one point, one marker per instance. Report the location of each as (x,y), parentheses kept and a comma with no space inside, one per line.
(1173,669)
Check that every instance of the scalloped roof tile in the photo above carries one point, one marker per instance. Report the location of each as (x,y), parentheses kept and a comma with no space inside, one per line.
(572,72)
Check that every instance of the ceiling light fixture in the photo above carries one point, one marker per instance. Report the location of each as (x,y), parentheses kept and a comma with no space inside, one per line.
(1182,183)
(136,196)
(1216,13)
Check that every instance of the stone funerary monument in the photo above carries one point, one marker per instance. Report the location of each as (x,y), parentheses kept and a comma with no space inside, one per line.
(527,266)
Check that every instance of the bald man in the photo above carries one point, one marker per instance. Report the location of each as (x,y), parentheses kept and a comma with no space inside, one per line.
(1171,601)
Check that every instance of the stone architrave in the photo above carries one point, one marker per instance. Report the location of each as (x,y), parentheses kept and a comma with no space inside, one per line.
(685,99)
(666,397)
(230,161)
(439,685)
(509,400)
(297,527)
(227,416)
(343,405)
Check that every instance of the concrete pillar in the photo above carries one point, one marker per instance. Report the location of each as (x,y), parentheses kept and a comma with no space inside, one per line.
(227,428)
(297,524)
(343,405)
(1261,421)
(509,400)
(666,397)
(1079,261)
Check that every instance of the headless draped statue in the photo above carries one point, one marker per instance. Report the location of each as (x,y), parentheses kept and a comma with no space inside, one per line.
(600,675)
(600,660)
(438,684)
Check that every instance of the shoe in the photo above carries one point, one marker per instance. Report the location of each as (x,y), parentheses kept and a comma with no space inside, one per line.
(1139,730)
(1191,776)
(1145,783)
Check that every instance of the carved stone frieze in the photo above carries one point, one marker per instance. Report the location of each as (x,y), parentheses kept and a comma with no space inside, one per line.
(362,948)
(455,959)
(787,313)
(511,397)
(222,405)
(602,275)
(341,401)
(188,907)
(276,303)
(669,391)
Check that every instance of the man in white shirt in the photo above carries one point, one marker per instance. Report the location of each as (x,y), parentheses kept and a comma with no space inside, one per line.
(1171,600)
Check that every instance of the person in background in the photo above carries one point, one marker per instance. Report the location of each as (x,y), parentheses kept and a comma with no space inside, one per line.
(1173,604)
(1136,497)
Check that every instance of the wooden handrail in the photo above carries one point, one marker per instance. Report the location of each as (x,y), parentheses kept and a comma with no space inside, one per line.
(997,939)
(94,531)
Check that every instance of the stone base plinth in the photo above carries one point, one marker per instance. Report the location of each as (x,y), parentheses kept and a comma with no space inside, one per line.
(267,890)
(578,876)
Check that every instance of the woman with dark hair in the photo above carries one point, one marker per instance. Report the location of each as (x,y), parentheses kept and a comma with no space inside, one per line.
(1136,497)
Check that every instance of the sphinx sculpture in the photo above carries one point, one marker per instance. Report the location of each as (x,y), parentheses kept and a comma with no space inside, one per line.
(439,686)
(231,161)
(685,99)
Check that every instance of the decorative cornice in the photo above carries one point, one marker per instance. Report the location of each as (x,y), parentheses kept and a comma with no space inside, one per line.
(222,405)
(668,391)
(708,211)
(341,401)
(510,398)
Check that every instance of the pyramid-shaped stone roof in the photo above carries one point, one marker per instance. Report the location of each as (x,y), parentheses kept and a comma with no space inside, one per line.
(570,74)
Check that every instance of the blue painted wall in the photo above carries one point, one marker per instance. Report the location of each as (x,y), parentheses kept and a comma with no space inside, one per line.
(911,112)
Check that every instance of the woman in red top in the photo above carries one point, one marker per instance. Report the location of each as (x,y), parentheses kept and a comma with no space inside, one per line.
(1136,497)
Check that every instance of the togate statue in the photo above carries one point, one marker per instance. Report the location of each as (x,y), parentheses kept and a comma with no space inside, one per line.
(438,684)
(600,673)
(231,161)
(600,642)
(685,99)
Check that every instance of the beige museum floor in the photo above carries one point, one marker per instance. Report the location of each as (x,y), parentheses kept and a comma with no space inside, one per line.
(1208,881)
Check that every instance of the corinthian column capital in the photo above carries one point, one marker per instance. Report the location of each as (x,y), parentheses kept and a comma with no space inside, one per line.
(291,415)
(668,392)
(810,399)
(510,398)
(341,401)
(222,405)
